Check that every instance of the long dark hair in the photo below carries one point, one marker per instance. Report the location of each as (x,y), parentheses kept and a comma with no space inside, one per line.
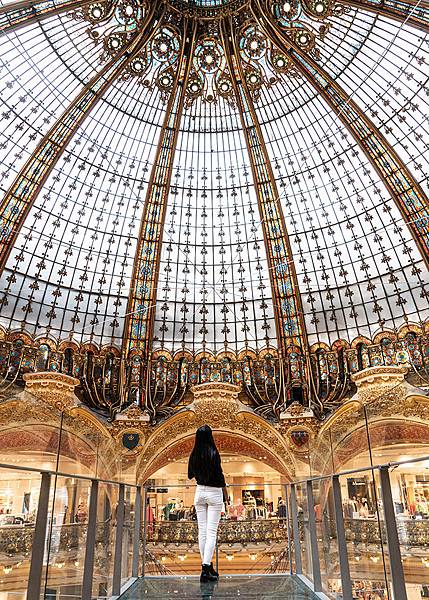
(204,456)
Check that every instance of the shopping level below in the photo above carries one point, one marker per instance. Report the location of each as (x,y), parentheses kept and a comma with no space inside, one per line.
(263,587)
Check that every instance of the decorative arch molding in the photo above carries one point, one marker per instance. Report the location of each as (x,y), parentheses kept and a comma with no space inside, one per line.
(393,410)
(227,442)
(217,405)
(386,432)
(46,417)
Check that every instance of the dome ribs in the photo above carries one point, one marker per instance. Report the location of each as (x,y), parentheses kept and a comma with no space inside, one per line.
(139,323)
(20,197)
(415,14)
(290,326)
(19,14)
(407,194)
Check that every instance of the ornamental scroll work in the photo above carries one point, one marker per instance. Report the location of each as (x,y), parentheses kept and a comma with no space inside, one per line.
(55,389)
(218,405)
(115,24)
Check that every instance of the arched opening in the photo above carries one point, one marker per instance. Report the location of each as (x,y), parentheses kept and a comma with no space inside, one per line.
(253,532)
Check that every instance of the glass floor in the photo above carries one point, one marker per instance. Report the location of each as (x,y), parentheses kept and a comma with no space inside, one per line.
(277,587)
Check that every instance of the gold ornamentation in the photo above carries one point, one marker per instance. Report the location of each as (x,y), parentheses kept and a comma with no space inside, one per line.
(56,389)
(216,404)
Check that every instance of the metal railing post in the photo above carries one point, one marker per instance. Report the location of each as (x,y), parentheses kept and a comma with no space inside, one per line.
(88,570)
(315,562)
(396,568)
(295,530)
(289,552)
(346,582)
(38,545)
(144,531)
(137,526)
(117,567)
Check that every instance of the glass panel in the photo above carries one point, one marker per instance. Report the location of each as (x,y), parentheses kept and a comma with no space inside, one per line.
(78,452)
(326,536)
(128,535)
(364,527)
(67,529)
(302,507)
(252,534)
(19,496)
(410,494)
(105,540)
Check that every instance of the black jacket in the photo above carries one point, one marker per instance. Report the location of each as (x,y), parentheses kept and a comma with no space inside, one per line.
(214,479)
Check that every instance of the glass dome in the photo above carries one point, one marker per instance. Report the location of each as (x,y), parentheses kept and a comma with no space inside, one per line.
(176,185)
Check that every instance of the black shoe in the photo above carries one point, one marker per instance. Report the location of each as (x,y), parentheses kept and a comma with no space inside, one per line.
(213,572)
(206,575)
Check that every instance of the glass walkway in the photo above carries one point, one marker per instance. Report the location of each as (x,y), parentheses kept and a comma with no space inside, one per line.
(265,587)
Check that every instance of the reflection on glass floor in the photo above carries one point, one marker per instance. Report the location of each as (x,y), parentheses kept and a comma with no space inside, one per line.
(248,587)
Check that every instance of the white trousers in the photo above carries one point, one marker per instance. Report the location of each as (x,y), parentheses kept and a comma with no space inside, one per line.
(208,504)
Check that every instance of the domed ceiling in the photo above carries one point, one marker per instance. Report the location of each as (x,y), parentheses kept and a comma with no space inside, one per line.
(213,178)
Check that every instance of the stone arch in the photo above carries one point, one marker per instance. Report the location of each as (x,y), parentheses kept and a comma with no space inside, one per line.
(233,424)
(396,413)
(227,442)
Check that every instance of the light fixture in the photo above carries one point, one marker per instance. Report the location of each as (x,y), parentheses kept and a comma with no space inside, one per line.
(253,556)
(287,7)
(319,7)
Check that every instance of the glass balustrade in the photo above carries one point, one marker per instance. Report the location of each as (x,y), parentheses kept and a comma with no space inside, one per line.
(347,535)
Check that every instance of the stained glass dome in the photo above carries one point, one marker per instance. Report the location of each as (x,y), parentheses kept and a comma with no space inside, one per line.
(238,193)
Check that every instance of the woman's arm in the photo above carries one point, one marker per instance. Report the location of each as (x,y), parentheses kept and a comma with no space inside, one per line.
(191,473)
(225,495)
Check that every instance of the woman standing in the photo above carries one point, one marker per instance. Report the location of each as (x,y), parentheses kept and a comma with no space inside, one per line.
(205,465)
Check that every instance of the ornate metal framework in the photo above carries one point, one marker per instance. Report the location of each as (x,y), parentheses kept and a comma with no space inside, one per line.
(412,12)
(19,199)
(22,13)
(291,334)
(195,54)
(404,189)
